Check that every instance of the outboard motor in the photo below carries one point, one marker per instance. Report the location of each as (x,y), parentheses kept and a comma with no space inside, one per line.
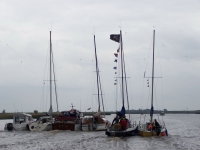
(9,126)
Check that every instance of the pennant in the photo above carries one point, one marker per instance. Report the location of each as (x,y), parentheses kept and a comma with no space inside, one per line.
(114,67)
(116,55)
(118,49)
(115,37)
(115,60)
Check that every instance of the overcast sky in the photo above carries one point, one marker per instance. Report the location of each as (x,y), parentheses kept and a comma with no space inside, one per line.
(24,48)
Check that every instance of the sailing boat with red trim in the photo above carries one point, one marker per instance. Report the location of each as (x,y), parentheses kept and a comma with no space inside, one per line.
(121,126)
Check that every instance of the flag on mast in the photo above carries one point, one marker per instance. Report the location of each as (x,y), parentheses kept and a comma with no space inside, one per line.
(115,37)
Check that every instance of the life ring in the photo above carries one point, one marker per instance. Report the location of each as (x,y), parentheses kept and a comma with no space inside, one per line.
(9,126)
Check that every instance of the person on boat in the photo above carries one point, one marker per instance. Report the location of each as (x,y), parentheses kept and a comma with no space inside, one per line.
(123,123)
(149,127)
(156,125)
(115,120)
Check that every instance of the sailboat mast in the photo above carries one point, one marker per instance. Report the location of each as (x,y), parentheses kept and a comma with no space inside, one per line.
(97,73)
(122,67)
(151,113)
(50,109)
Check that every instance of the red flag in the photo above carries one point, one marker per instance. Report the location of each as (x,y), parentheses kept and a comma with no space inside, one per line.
(116,55)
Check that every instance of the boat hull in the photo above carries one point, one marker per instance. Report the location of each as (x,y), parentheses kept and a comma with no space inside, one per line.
(40,127)
(89,123)
(143,131)
(90,127)
(66,126)
(122,133)
(147,134)
(16,127)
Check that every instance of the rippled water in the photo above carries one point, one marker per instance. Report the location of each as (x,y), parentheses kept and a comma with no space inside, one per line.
(184,133)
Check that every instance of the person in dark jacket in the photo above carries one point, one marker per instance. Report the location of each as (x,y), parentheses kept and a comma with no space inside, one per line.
(115,120)
(156,123)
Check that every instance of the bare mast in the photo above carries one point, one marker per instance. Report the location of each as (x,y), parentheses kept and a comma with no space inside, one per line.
(97,72)
(152,109)
(50,109)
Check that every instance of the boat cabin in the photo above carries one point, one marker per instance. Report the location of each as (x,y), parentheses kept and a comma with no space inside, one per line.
(45,119)
(19,118)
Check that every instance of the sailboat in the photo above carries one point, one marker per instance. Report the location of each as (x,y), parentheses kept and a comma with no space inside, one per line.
(152,127)
(121,126)
(44,123)
(96,122)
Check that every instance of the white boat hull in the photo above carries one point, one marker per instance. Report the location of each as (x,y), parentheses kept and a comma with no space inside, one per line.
(40,126)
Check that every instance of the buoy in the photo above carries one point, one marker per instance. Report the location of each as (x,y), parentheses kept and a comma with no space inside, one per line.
(163,134)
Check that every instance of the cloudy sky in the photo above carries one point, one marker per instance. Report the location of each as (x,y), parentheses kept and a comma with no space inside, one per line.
(24,48)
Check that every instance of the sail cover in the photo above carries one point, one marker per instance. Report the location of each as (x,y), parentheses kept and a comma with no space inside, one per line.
(122,112)
(151,111)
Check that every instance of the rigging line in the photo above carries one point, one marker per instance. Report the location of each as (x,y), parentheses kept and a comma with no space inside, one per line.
(47,94)
(148,56)
(42,96)
(161,73)
(55,81)
(142,94)
(118,81)
(126,85)
(42,101)
(155,92)
(101,94)
(148,99)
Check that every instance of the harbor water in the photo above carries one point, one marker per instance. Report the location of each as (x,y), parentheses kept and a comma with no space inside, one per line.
(183,130)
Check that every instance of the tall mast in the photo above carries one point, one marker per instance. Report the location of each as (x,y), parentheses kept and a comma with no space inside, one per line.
(122,67)
(151,113)
(97,72)
(50,109)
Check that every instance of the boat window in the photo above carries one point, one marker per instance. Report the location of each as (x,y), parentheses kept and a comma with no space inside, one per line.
(17,120)
(30,119)
(22,119)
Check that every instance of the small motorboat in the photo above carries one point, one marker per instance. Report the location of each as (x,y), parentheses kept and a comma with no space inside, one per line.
(44,123)
(21,122)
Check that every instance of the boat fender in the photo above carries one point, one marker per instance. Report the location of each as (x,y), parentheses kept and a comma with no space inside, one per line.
(166,132)
(9,126)
(106,125)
